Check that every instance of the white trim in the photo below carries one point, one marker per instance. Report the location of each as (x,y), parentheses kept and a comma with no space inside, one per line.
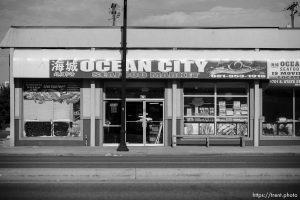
(279,138)
(174,104)
(215,107)
(111,125)
(146,99)
(18,97)
(53,138)
(199,116)
(232,95)
(218,95)
(112,99)
(92,106)
(97,102)
(12,98)
(153,145)
(256,114)
(132,145)
(237,116)
(198,95)
(110,144)
(144,122)
(294,112)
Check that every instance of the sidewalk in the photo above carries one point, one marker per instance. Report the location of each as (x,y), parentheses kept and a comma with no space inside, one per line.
(144,151)
(147,174)
(5,149)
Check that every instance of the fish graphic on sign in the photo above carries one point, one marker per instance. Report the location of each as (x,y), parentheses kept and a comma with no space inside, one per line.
(236,67)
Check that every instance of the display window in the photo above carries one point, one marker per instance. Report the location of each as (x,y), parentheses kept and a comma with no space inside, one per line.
(297,113)
(280,112)
(51,110)
(216,109)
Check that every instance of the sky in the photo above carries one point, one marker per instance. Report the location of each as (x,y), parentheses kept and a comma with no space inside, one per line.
(258,13)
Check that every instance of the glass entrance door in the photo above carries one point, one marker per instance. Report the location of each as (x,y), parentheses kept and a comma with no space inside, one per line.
(144,122)
(134,122)
(154,122)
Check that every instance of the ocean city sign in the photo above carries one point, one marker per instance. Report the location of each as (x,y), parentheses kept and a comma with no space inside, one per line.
(158,69)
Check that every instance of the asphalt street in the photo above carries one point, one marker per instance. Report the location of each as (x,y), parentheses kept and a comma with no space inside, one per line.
(158,161)
(145,191)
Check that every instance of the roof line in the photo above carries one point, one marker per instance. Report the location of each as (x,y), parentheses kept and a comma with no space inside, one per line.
(71,27)
(151,27)
(159,48)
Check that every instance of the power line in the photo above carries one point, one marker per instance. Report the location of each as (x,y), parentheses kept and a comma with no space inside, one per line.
(293,8)
(114,11)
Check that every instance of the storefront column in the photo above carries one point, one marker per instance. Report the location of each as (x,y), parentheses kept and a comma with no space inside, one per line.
(12,98)
(256,113)
(92,114)
(174,113)
(99,114)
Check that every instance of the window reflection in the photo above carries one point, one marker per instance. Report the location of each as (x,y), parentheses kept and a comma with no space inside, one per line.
(278,112)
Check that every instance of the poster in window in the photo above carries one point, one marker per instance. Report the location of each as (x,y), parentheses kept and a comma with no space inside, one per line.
(191,129)
(57,104)
(285,129)
(242,129)
(269,129)
(206,129)
(226,129)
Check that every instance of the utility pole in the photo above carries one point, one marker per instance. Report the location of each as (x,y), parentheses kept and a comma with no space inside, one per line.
(114,12)
(122,146)
(293,10)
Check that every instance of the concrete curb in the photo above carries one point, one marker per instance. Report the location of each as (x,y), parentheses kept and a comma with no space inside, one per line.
(149,174)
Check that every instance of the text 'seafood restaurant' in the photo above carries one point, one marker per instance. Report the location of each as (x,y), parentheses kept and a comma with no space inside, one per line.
(184,86)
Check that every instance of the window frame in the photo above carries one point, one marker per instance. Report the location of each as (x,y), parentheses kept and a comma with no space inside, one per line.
(216,118)
(279,137)
(50,138)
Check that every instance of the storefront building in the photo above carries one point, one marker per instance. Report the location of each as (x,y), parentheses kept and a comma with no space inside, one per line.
(185,86)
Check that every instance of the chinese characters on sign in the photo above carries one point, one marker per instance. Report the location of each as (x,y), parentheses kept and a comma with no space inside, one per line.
(63,68)
(159,69)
